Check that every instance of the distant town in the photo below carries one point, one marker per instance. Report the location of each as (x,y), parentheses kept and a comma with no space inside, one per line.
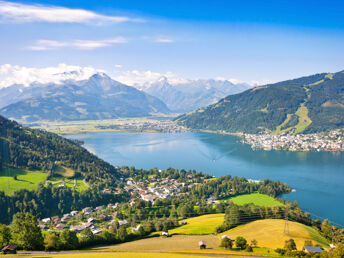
(330,141)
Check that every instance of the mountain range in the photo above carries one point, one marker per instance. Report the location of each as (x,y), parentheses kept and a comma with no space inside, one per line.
(191,94)
(309,104)
(98,97)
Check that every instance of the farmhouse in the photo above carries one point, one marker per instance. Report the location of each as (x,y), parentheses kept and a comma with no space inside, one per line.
(202,245)
(313,249)
(9,249)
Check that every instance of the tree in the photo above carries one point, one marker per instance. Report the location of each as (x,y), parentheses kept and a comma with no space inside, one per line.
(290,245)
(86,236)
(5,235)
(52,241)
(308,243)
(226,243)
(25,232)
(68,240)
(241,242)
(248,248)
(254,243)
(122,234)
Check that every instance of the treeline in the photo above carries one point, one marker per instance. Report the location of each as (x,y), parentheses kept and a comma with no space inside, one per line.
(25,233)
(139,175)
(227,186)
(237,215)
(33,149)
(48,201)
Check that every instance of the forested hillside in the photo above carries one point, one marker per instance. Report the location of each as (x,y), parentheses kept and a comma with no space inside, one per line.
(32,149)
(304,105)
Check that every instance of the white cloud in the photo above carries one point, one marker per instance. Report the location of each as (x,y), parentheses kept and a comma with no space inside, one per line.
(136,77)
(164,40)
(14,74)
(118,66)
(21,13)
(42,45)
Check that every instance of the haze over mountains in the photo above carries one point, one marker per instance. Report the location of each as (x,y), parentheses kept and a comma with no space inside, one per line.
(191,94)
(309,104)
(98,97)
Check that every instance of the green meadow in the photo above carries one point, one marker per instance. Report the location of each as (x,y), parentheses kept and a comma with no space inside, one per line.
(256,199)
(25,180)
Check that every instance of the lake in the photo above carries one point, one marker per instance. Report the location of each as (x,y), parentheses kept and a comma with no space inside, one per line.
(318,177)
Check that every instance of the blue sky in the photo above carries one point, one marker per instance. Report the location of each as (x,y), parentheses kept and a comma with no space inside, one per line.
(246,40)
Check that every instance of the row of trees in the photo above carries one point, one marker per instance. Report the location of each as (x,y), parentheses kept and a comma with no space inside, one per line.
(24,232)
(48,201)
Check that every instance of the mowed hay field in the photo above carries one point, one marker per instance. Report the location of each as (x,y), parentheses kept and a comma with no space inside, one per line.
(270,233)
(115,255)
(202,225)
(25,180)
(161,244)
(257,199)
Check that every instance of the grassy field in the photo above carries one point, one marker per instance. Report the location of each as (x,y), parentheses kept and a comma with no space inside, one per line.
(64,171)
(118,255)
(202,225)
(78,183)
(76,127)
(162,244)
(304,120)
(270,233)
(25,180)
(255,198)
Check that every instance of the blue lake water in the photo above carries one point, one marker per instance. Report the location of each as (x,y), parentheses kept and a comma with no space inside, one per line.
(318,177)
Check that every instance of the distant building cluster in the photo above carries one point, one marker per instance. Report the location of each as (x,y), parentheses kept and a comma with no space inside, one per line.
(331,141)
(165,126)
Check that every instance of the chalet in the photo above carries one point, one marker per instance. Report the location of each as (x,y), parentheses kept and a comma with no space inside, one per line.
(122,222)
(42,226)
(9,249)
(164,234)
(73,213)
(60,226)
(96,231)
(87,210)
(78,229)
(313,249)
(202,245)
(225,236)
(46,220)
(91,220)
(135,229)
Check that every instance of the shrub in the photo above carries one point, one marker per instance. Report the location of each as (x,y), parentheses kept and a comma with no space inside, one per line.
(226,243)
(249,249)
(241,242)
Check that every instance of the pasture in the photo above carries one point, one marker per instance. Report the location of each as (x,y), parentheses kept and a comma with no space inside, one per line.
(255,198)
(270,233)
(25,180)
(202,225)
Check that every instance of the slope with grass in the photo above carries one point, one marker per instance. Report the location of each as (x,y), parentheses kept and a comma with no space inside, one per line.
(304,105)
(25,180)
(202,225)
(255,198)
(270,233)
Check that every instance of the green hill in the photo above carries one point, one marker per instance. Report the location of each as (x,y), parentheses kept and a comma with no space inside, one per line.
(304,105)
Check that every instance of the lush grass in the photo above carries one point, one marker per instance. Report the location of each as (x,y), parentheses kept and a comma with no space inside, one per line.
(255,198)
(77,183)
(76,127)
(64,171)
(304,120)
(202,225)
(270,233)
(25,180)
